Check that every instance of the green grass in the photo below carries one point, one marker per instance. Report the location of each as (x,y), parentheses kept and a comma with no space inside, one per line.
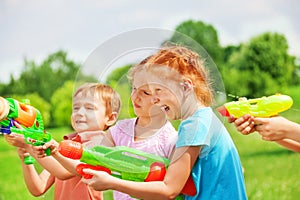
(271,172)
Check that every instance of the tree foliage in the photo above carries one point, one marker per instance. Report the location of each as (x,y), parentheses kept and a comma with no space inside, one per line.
(204,34)
(61,102)
(45,78)
(39,103)
(261,67)
(118,80)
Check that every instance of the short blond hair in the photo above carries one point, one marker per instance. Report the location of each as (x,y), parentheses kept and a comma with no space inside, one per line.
(109,96)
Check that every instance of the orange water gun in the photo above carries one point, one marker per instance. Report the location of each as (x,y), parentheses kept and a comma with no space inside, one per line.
(29,118)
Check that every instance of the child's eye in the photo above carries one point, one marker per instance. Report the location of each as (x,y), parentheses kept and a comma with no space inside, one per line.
(75,108)
(90,107)
(147,93)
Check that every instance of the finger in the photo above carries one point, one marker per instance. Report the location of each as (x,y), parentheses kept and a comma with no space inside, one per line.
(88,171)
(242,120)
(17,125)
(231,119)
(266,138)
(259,127)
(259,120)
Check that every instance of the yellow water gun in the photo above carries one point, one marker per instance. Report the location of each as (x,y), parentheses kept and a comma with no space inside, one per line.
(259,107)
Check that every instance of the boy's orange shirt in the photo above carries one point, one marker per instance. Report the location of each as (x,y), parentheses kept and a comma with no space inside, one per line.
(73,188)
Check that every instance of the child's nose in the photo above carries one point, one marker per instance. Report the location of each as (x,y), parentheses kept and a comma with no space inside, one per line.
(155,100)
(81,111)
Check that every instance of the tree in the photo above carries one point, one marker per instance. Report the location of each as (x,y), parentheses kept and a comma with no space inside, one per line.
(117,79)
(45,78)
(39,103)
(61,103)
(204,34)
(261,67)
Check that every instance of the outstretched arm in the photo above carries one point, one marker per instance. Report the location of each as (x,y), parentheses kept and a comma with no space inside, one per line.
(277,128)
(37,184)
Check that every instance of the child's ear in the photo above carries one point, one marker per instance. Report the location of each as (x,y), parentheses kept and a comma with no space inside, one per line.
(112,118)
(73,123)
(187,84)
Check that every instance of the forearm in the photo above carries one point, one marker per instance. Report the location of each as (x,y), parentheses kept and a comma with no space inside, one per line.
(290,144)
(52,166)
(293,131)
(67,163)
(146,190)
(35,183)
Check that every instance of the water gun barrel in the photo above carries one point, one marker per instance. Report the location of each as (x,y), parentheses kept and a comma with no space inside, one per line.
(260,107)
(122,162)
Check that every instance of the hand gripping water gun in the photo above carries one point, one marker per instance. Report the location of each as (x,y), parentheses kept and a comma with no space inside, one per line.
(121,162)
(29,118)
(260,107)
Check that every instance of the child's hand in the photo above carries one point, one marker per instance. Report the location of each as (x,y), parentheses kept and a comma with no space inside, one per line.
(245,124)
(16,140)
(274,128)
(22,153)
(95,138)
(100,180)
(39,151)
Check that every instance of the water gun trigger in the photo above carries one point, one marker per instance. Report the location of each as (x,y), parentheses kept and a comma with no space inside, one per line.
(223,111)
(81,166)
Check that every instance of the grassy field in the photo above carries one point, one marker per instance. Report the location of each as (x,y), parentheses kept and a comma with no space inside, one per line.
(271,172)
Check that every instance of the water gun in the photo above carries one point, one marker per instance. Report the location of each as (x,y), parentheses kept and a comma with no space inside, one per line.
(259,107)
(29,118)
(121,162)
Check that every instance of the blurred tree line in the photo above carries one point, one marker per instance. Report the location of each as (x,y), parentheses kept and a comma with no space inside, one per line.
(259,67)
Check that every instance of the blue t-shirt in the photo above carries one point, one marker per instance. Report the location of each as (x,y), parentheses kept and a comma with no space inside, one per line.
(217,173)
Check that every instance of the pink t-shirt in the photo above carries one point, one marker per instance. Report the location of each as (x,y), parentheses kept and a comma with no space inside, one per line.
(162,143)
(74,188)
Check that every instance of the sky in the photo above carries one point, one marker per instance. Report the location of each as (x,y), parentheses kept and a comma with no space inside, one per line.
(33,29)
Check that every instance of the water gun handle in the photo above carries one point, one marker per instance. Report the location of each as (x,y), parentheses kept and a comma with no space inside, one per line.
(82,166)
(28,160)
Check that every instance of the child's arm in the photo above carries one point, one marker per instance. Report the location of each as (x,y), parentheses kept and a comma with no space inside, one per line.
(176,177)
(90,139)
(277,128)
(49,163)
(290,144)
(37,184)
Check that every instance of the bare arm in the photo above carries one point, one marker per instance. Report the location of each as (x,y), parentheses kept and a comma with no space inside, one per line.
(290,144)
(49,162)
(37,184)
(167,189)
(90,139)
(277,128)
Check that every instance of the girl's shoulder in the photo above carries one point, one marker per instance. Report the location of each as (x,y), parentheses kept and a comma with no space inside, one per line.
(125,123)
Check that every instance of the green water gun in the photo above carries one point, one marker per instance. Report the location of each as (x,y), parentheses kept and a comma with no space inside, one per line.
(259,107)
(29,118)
(121,162)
